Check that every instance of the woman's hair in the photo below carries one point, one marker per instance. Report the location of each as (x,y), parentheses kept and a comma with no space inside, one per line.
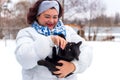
(32,14)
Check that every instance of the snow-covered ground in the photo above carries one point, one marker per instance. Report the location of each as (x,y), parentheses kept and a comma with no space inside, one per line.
(105,64)
(9,67)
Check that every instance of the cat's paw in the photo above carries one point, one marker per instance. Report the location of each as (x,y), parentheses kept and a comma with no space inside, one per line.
(41,62)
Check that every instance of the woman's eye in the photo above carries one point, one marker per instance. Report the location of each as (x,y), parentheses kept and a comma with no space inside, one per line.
(55,17)
(47,17)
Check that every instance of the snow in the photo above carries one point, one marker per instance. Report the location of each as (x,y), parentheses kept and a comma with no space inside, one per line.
(9,67)
(105,64)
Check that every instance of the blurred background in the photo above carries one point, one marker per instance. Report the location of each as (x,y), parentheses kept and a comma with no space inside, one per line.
(97,21)
(94,20)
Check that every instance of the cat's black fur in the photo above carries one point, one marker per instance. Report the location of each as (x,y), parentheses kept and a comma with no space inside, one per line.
(70,53)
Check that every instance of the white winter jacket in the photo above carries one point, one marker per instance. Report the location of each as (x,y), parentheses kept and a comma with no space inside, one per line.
(32,46)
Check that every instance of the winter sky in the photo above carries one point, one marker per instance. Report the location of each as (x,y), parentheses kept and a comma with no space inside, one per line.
(112,6)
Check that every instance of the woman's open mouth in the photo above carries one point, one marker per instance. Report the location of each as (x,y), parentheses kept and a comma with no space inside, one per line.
(50,25)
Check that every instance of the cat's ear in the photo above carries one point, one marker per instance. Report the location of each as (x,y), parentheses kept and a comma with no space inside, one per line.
(79,43)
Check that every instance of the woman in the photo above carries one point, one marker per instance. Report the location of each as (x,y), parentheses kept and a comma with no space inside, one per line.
(36,41)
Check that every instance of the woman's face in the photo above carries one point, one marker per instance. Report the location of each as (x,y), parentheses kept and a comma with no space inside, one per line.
(48,18)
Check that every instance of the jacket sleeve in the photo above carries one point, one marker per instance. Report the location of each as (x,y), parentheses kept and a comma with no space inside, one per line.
(85,57)
(30,50)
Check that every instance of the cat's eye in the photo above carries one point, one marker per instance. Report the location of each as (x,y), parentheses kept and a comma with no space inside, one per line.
(69,49)
(71,44)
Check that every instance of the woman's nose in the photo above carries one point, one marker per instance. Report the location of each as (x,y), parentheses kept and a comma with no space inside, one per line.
(51,20)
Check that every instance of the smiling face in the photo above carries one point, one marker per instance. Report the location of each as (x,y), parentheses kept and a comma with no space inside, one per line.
(48,18)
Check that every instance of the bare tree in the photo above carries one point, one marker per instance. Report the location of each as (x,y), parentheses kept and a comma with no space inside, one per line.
(71,7)
(117,19)
(21,10)
(96,8)
(12,19)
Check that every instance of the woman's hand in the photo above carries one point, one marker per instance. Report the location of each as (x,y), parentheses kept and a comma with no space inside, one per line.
(65,69)
(59,41)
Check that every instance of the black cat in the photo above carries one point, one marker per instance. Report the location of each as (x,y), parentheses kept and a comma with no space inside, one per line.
(70,53)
